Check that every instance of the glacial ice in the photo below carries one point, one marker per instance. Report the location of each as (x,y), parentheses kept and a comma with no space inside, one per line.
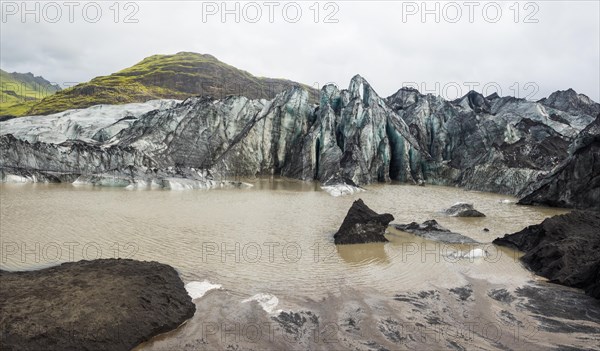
(472,254)
(268,302)
(500,144)
(100,121)
(341,189)
(198,289)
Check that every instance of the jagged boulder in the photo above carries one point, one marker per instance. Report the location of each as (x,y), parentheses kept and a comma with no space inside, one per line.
(362,225)
(463,209)
(108,304)
(563,249)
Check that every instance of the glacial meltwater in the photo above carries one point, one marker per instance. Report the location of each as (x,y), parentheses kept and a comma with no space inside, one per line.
(272,242)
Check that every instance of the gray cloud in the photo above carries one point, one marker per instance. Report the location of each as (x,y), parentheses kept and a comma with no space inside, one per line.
(561,51)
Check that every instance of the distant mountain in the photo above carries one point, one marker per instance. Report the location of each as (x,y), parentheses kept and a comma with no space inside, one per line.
(20,91)
(176,76)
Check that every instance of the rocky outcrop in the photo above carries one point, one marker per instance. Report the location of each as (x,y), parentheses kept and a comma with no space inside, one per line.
(463,209)
(351,137)
(91,305)
(563,249)
(362,225)
(431,230)
(575,183)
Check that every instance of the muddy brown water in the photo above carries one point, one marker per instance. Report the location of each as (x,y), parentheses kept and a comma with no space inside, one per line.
(274,238)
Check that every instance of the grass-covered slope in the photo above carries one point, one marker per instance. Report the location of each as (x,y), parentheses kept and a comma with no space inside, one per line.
(19,92)
(164,76)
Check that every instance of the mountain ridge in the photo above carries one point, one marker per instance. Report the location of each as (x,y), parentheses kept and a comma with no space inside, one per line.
(176,76)
(20,91)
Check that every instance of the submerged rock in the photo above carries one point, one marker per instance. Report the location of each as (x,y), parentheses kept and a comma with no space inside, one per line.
(463,209)
(431,230)
(563,249)
(104,304)
(362,225)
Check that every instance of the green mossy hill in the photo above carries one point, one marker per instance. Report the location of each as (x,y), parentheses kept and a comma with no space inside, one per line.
(19,92)
(165,76)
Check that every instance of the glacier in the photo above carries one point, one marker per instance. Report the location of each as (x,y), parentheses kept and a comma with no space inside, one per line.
(351,137)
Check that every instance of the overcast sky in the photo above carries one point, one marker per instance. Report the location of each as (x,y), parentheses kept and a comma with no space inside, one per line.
(529,49)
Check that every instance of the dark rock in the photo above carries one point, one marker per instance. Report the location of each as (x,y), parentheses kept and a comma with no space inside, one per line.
(478,103)
(501,295)
(362,225)
(6,117)
(91,305)
(486,230)
(510,318)
(560,309)
(575,183)
(455,346)
(463,210)
(463,293)
(431,230)
(563,249)
(392,330)
(558,118)
(297,324)
(492,96)
(540,147)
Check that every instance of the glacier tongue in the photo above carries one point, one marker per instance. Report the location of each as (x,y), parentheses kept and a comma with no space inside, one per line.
(96,123)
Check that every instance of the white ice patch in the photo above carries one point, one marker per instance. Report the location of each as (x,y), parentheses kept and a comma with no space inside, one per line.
(361,91)
(341,189)
(81,124)
(12,178)
(462,203)
(475,253)
(268,302)
(506,201)
(186,184)
(197,289)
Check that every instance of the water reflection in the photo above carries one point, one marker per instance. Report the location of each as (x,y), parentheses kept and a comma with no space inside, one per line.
(363,254)
(280,184)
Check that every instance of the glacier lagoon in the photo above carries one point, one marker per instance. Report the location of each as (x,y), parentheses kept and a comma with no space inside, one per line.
(265,253)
